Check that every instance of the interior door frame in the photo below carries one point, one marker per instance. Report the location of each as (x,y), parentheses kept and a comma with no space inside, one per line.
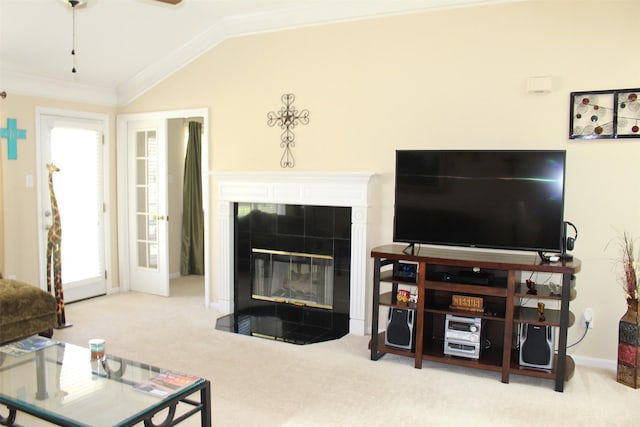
(122,124)
(105,129)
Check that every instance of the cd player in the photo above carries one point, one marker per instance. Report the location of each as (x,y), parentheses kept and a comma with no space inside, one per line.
(463,336)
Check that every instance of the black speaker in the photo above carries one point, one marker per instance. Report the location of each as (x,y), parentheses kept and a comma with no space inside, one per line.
(400,328)
(536,346)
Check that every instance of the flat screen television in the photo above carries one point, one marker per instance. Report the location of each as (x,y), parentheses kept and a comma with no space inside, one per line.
(500,199)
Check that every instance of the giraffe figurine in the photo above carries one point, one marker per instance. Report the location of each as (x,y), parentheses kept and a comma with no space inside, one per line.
(54,244)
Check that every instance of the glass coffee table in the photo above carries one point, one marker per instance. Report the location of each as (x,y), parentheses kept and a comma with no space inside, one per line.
(62,385)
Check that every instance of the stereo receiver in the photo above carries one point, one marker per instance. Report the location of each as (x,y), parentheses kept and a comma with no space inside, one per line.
(463,336)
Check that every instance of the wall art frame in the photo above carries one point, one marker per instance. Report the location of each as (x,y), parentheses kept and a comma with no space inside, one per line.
(605,114)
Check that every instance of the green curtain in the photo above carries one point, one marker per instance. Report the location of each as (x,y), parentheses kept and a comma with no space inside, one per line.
(192,248)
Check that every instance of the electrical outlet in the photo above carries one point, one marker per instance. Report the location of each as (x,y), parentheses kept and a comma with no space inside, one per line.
(587,316)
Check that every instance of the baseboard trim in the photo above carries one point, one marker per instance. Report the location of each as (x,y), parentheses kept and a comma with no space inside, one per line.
(223,309)
(595,362)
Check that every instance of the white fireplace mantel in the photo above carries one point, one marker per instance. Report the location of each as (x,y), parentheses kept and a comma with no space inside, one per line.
(350,189)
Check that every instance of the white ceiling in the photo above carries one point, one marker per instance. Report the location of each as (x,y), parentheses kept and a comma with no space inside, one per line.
(125,47)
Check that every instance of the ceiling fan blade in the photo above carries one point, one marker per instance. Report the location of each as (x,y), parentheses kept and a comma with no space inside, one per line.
(170,1)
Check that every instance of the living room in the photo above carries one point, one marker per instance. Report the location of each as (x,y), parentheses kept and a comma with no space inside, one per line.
(449,78)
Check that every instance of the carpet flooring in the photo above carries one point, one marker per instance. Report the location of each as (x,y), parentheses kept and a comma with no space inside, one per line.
(259,382)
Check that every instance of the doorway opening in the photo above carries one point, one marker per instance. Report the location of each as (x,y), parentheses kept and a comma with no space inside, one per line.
(166,216)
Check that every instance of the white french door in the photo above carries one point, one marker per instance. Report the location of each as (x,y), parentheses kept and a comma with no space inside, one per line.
(74,143)
(147,213)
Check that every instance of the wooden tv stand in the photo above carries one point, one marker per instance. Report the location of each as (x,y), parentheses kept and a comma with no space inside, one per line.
(504,296)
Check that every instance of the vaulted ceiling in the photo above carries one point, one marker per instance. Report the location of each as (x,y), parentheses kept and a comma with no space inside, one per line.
(124,47)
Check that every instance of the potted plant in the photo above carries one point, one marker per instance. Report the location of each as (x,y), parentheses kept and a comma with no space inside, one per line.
(628,371)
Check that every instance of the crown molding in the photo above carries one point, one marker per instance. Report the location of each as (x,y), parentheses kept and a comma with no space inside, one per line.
(37,86)
(244,25)
(171,63)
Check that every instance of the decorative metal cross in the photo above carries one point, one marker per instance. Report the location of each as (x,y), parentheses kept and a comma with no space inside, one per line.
(288,118)
(13,134)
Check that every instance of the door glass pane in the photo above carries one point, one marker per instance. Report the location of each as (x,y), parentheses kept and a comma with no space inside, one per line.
(153,256)
(146,199)
(142,254)
(141,199)
(78,189)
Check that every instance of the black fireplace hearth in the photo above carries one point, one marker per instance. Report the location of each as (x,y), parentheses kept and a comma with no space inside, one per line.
(292,269)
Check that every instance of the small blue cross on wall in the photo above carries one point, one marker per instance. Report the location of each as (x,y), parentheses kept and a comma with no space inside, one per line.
(13,134)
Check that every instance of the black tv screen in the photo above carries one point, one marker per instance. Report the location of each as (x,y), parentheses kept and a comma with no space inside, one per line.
(501,199)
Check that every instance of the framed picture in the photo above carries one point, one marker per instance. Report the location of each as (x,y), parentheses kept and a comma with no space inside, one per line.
(605,114)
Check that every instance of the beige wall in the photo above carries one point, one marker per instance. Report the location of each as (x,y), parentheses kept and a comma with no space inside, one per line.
(454,79)
(1,216)
(175,164)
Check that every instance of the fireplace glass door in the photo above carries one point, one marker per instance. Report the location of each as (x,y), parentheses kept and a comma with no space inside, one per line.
(291,277)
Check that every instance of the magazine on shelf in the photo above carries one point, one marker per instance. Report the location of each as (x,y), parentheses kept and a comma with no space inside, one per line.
(27,345)
(165,383)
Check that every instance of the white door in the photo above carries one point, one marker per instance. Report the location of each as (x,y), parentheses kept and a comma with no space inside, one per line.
(147,206)
(75,145)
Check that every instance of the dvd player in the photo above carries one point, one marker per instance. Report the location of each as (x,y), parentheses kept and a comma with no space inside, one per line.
(464,277)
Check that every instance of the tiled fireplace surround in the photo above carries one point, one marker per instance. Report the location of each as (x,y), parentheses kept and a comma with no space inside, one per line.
(296,188)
